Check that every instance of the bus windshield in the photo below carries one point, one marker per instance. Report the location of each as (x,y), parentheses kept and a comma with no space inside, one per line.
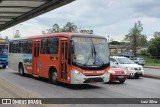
(3,48)
(90,51)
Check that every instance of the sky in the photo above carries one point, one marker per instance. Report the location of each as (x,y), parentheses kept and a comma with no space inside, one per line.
(113,18)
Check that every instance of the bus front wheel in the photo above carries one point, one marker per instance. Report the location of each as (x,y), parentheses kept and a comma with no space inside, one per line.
(53,76)
(21,70)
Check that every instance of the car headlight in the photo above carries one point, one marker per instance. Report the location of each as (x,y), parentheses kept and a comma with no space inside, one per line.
(111,71)
(130,68)
(142,69)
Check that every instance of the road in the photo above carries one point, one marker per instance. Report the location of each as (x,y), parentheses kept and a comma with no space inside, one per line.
(152,71)
(132,88)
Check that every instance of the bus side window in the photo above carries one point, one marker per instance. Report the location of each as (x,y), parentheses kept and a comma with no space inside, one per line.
(20,47)
(52,46)
(17,47)
(30,47)
(10,47)
(24,47)
(43,46)
(14,47)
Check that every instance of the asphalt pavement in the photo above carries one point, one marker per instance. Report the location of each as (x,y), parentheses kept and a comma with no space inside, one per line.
(152,72)
(39,87)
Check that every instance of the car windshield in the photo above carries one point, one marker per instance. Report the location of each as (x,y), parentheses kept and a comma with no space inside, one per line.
(124,61)
(90,51)
(113,65)
(141,59)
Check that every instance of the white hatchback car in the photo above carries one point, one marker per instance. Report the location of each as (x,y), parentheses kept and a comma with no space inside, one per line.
(132,69)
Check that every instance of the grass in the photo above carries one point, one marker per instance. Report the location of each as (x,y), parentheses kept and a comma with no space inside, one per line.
(151,61)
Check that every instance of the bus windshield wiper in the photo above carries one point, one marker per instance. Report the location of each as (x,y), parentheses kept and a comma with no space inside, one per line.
(94,53)
(88,59)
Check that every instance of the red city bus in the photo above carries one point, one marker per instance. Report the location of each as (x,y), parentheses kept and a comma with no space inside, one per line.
(71,58)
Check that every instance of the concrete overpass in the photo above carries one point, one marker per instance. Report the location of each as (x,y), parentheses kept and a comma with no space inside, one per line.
(13,12)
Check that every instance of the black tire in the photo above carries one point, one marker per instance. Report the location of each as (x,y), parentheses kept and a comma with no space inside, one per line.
(121,81)
(21,70)
(4,66)
(53,76)
(136,76)
(110,81)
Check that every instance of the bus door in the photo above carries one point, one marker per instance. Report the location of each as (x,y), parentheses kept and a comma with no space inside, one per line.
(35,56)
(63,59)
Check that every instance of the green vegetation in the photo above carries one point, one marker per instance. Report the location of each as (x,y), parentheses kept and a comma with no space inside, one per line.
(69,27)
(17,34)
(151,61)
(154,45)
(135,37)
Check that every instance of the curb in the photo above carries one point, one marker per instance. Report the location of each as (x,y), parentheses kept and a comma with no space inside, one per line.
(154,67)
(151,76)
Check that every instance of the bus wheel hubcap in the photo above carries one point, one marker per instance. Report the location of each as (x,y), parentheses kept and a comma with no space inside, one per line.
(54,76)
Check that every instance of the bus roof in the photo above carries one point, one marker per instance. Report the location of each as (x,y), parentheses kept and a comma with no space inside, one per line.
(63,34)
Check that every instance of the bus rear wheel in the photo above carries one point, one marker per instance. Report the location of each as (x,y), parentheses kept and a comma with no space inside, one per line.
(21,70)
(53,76)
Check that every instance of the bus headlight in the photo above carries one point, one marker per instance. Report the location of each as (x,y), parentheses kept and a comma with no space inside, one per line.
(111,71)
(77,72)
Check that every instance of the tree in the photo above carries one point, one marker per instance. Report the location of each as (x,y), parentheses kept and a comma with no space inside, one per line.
(114,43)
(143,41)
(154,45)
(56,28)
(17,34)
(49,31)
(43,32)
(69,27)
(135,38)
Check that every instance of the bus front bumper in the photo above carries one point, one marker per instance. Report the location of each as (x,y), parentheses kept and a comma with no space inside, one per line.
(79,78)
(3,62)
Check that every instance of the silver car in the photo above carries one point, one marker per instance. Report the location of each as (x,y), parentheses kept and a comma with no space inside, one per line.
(138,60)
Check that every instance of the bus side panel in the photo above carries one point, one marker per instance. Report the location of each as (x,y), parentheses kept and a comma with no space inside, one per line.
(45,62)
(13,60)
(27,63)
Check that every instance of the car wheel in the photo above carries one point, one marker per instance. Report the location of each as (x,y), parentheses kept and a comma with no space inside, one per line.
(53,76)
(121,81)
(136,76)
